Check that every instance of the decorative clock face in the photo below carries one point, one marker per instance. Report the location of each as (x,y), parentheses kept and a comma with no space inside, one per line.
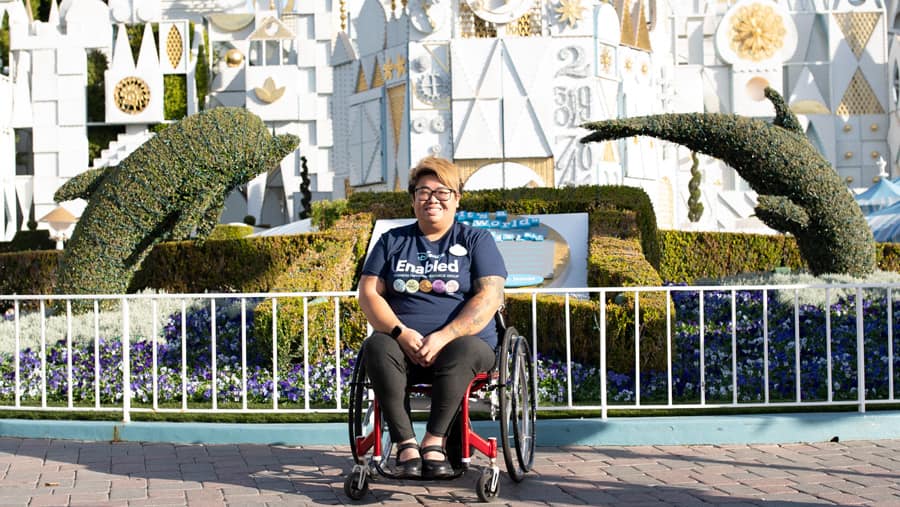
(428,16)
(132,95)
(499,11)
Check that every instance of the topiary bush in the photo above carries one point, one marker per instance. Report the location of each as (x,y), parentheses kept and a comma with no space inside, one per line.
(695,207)
(799,192)
(689,256)
(174,185)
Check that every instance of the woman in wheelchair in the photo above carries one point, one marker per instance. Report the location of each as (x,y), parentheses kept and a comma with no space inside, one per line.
(430,291)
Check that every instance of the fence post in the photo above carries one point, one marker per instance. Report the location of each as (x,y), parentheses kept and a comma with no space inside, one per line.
(860,353)
(126,363)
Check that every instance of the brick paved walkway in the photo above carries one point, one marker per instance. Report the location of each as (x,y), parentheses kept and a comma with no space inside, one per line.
(58,472)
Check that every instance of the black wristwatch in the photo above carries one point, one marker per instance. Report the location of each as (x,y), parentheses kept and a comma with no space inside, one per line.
(396,332)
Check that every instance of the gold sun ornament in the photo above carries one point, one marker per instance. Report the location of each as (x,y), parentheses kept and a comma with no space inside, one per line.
(570,12)
(605,59)
(757,32)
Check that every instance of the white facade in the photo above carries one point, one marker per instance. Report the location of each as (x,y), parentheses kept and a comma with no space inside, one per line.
(501,87)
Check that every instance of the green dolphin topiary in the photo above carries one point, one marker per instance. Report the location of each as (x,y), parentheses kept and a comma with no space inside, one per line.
(175,184)
(799,192)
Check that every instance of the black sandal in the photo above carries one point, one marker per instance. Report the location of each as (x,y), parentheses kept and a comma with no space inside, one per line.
(434,468)
(411,467)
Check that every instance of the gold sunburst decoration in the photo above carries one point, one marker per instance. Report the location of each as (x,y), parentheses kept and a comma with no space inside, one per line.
(605,59)
(131,95)
(570,12)
(757,32)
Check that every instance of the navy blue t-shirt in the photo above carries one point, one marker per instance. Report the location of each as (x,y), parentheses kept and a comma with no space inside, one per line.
(428,282)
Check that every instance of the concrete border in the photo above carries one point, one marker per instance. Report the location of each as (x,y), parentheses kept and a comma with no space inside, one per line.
(624,431)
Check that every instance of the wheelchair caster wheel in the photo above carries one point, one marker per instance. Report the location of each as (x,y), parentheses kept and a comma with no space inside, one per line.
(488,485)
(356,484)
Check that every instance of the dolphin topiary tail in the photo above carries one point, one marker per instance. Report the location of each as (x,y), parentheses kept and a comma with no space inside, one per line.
(799,192)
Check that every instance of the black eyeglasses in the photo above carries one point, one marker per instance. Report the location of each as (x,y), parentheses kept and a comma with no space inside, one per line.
(442,194)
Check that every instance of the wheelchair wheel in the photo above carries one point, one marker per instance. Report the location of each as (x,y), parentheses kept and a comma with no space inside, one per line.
(488,486)
(361,413)
(517,405)
(352,486)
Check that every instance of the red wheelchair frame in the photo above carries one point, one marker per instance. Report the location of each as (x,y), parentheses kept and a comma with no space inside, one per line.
(514,383)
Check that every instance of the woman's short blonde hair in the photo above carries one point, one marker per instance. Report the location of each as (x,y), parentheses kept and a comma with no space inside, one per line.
(445,171)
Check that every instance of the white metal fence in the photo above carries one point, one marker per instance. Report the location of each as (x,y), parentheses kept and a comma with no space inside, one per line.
(723,346)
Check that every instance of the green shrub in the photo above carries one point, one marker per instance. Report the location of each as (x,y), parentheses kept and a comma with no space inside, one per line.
(29,240)
(235,265)
(289,313)
(689,256)
(230,231)
(332,266)
(889,257)
(31,272)
(584,318)
(174,96)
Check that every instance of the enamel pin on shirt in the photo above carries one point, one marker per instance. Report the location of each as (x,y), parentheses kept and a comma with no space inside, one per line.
(458,250)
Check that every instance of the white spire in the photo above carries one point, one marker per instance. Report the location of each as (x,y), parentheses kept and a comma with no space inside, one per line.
(148,59)
(122,58)
(53,20)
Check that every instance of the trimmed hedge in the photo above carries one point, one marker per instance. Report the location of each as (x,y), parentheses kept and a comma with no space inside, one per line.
(799,192)
(26,273)
(584,317)
(173,186)
(333,266)
(688,256)
(232,265)
(29,240)
(230,231)
(607,200)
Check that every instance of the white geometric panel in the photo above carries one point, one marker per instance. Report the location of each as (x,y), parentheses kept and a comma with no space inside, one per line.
(71,112)
(527,60)
(365,145)
(45,114)
(476,128)
(44,140)
(87,23)
(475,68)
(71,60)
(804,24)
(271,92)
(806,93)
(371,27)
(523,135)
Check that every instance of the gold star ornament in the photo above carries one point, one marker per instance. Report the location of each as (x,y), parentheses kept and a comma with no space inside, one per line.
(570,12)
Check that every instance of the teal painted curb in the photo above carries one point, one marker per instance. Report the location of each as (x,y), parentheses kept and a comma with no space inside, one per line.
(622,431)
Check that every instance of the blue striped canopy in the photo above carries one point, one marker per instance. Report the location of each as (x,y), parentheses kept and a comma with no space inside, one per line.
(885,224)
(878,196)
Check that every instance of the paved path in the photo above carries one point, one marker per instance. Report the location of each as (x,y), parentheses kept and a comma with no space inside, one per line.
(60,472)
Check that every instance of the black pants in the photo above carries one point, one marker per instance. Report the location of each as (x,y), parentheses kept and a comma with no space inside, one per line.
(391,371)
